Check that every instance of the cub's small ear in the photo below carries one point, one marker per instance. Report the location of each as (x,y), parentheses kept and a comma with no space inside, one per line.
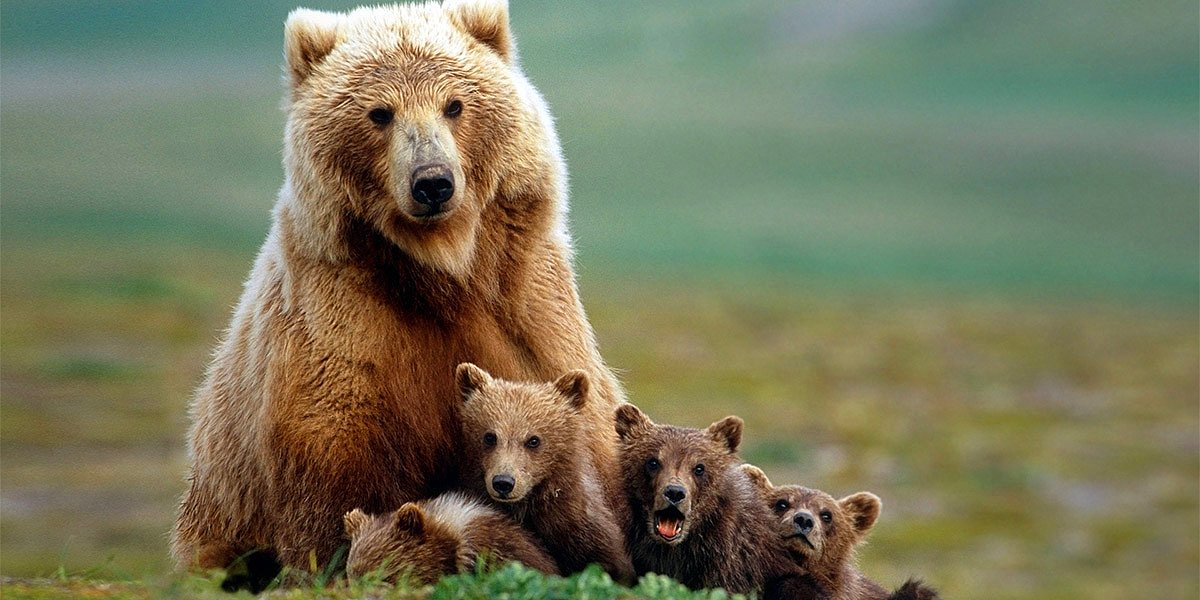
(631,422)
(409,518)
(727,431)
(354,522)
(863,509)
(757,477)
(484,20)
(574,385)
(308,37)
(470,378)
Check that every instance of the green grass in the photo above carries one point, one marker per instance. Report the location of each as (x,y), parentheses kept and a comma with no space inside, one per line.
(512,581)
(946,256)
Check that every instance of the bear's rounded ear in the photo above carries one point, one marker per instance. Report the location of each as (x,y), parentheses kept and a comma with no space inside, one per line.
(727,431)
(470,378)
(631,422)
(863,509)
(409,518)
(574,385)
(484,20)
(308,37)
(354,522)
(757,478)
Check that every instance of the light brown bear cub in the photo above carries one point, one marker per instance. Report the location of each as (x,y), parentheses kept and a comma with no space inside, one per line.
(428,539)
(822,534)
(526,447)
(695,516)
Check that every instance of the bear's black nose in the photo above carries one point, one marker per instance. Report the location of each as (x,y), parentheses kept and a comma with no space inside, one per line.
(674,493)
(503,484)
(432,186)
(804,522)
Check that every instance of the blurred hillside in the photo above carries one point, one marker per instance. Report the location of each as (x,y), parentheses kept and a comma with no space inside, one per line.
(944,250)
(1046,145)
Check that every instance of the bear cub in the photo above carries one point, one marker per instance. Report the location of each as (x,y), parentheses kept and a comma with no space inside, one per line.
(427,539)
(695,516)
(822,533)
(526,447)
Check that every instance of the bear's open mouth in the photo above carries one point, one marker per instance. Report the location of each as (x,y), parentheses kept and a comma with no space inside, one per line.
(668,523)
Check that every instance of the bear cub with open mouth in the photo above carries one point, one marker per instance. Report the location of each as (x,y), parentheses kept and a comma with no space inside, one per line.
(527,448)
(822,533)
(695,516)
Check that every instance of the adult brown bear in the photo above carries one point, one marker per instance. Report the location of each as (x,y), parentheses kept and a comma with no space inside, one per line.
(421,224)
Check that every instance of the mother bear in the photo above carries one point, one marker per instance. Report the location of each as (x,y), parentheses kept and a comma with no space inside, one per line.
(421,224)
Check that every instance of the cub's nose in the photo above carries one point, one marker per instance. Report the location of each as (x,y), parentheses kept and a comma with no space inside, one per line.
(804,522)
(674,493)
(503,484)
(432,185)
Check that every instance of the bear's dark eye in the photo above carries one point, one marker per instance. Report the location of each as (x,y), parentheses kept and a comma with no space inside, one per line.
(380,116)
(652,465)
(453,109)
(782,505)
(826,516)
(698,470)
(533,442)
(489,439)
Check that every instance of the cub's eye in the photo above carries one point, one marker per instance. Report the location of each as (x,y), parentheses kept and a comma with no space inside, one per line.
(782,505)
(698,470)
(652,465)
(489,439)
(380,116)
(533,442)
(453,109)
(826,516)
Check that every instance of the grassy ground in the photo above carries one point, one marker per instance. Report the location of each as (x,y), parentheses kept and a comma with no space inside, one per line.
(942,251)
(514,582)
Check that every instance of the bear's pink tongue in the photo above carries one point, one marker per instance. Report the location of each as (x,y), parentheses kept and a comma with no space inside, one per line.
(668,528)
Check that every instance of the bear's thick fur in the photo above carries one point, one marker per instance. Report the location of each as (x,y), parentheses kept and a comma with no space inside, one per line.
(421,224)
(822,533)
(427,539)
(695,515)
(526,444)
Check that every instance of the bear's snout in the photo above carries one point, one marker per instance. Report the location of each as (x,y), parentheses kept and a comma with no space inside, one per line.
(503,485)
(675,494)
(433,186)
(804,522)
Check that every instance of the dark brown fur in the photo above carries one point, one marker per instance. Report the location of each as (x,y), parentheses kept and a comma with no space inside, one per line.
(425,540)
(914,589)
(725,539)
(556,489)
(838,527)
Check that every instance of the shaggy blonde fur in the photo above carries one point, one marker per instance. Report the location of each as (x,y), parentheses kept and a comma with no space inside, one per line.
(334,388)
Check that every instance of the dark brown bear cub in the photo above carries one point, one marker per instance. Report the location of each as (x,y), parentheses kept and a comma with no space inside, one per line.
(695,516)
(527,445)
(821,533)
(428,539)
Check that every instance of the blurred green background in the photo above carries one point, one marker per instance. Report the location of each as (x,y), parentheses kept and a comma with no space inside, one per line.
(944,250)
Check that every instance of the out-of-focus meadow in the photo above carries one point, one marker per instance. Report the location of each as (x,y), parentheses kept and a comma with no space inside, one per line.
(943,250)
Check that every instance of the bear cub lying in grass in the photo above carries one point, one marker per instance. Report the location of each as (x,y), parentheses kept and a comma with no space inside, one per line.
(821,533)
(694,514)
(422,541)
